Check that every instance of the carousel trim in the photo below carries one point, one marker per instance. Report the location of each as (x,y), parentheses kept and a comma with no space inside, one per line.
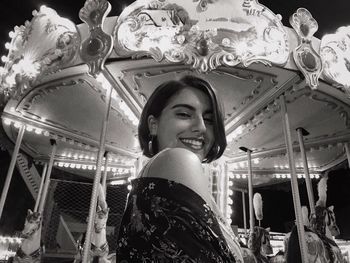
(187,32)
(61,134)
(28,59)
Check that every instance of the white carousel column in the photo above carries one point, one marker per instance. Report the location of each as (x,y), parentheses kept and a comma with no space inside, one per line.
(310,193)
(250,187)
(222,186)
(104,176)
(43,176)
(11,168)
(294,180)
(97,178)
(347,150)
(244,214)
(48,175)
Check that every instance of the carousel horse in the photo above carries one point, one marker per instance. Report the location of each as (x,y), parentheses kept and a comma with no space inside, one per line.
(259,246)
(30,250)
(99,250)
(320,244)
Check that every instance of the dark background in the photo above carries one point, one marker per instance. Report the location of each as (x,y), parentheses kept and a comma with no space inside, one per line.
(278,204)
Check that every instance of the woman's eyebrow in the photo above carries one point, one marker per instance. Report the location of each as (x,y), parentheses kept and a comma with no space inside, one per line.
(209,111)
(183,106)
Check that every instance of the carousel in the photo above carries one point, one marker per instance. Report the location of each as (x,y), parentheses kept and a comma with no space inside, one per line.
(72,96)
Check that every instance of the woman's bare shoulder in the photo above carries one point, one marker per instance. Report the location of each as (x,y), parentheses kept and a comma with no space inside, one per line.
(182,166)
(175,160)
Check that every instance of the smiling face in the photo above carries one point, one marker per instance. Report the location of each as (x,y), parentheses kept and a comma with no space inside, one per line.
(185,122)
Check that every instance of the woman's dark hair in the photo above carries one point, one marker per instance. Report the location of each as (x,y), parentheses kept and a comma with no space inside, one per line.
(159,100)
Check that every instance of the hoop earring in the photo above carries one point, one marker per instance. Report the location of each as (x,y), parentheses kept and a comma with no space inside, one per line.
(150,145)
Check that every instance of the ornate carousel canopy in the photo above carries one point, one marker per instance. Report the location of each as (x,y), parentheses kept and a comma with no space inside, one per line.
(240,47)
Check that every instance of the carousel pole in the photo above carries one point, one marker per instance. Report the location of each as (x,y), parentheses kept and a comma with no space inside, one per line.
(104,176)
(310,193)
(244,214)
(97,177)
(43,176)
(294,180)
(48,175)
(347,150)
(250,187)
(11,168)
(95,55)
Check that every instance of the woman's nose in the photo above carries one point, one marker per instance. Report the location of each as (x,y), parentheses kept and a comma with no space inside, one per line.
(199,125)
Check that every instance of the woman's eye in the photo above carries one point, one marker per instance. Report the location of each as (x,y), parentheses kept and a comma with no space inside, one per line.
(209,120)
(183,114)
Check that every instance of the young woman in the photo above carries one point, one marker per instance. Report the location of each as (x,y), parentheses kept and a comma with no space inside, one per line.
(168,217)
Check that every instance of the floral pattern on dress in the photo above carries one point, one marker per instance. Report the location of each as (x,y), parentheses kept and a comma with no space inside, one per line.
(167,222)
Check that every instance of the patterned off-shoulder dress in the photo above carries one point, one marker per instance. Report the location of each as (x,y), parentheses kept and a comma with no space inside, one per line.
(165,221)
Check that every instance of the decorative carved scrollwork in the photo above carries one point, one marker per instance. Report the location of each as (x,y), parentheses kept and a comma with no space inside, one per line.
(334,52)
(204,34)
(44,45)
(95,49)
(305,57)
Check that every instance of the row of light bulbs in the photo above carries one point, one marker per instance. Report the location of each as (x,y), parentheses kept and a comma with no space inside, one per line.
(115,170)
(38,131)
(277,176)
(8,239)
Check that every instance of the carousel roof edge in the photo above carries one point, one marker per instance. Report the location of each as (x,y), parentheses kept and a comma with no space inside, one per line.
(175,32)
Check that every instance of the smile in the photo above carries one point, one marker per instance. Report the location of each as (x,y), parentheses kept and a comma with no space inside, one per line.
(195,144)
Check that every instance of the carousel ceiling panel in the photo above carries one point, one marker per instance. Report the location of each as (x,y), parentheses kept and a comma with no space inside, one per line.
(239,88)
(322,116)
(77,105)
(318,158)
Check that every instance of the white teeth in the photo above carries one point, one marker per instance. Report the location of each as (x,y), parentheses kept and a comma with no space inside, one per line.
(197,144)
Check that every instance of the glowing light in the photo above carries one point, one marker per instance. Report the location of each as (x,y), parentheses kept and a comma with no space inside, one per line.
(129,187)
(7,121)
(283,176)
(4,59)
(103,81)
(17,124)
(244,176)
(317,176)
(278,176)
(118,182)
(38,130)
(12,34)
(256,161)
(238,176)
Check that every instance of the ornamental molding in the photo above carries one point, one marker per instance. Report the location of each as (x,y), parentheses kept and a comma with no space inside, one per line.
(305,56)
(203,34)
(98,46)
(334,51)
(44,45)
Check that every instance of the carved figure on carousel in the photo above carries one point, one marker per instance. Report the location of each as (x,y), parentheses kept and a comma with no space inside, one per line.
(30,250)
(320,244)
(99,251)
(259,245)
